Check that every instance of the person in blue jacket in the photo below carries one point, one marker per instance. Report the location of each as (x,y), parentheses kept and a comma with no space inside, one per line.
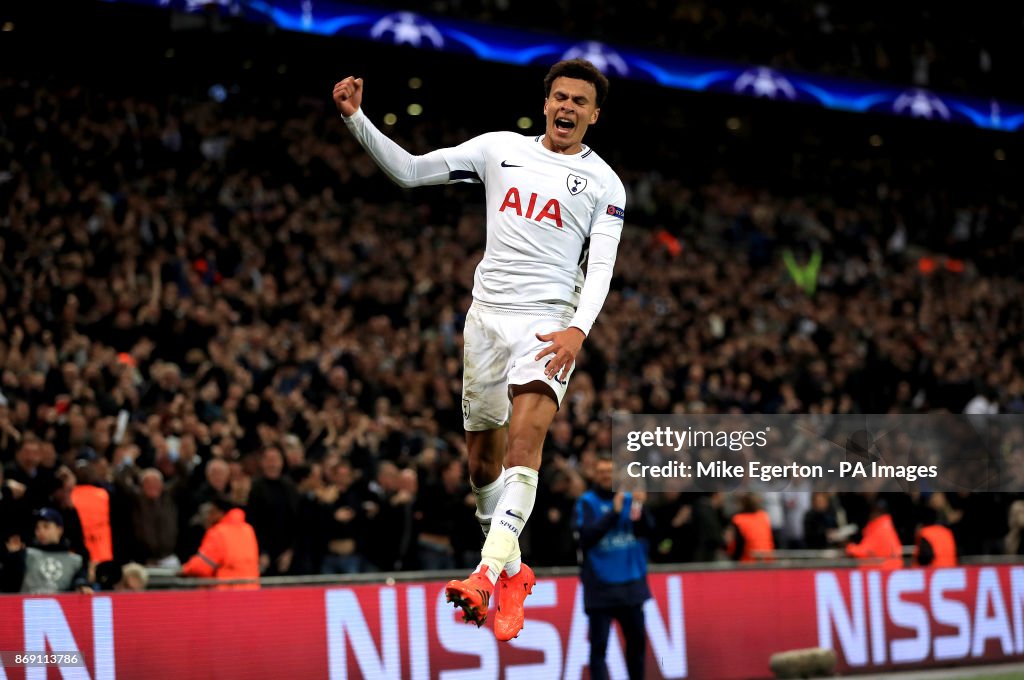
(612,529)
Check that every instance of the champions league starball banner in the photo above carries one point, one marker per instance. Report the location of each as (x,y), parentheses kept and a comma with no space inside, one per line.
(521,47)
(764,453)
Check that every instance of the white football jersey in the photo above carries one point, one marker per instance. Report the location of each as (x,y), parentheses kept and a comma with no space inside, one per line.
(542,209)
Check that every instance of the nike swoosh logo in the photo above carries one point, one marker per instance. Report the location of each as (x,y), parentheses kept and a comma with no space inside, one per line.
(512,514)
(506,164)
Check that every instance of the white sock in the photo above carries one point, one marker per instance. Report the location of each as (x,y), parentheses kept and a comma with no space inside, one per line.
(512,512)
(487,498)
(491,576)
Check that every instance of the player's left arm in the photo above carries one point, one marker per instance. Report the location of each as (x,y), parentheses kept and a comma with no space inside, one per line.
(606,230)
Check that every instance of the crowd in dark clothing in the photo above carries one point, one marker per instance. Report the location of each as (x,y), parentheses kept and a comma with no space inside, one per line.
(198,303)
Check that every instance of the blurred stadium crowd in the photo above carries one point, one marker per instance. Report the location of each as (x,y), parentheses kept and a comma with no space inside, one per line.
(202,300)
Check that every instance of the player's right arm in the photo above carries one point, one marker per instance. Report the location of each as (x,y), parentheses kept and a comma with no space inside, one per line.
(404,169)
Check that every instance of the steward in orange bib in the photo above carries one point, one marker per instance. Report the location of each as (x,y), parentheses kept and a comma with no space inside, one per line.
(93,505)
(880,546)
(229,550)
(752,530)
(935,545)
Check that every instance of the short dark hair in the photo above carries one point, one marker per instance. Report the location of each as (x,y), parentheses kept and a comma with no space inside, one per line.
(879,507)
(927,516)
(580,69)
(223,503)
(749,502)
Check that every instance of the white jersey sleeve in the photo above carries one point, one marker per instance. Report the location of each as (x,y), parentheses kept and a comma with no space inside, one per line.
(605,233)
(467,162)
(407,170)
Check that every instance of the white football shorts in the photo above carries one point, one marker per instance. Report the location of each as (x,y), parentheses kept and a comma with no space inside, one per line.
(499,349)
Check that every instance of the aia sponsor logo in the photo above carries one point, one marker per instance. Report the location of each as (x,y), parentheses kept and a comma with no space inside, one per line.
(551,209)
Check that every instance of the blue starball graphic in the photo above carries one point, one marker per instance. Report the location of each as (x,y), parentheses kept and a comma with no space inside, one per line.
(765,82)
(407,28)
(526,48)
(921,104)
(607,60)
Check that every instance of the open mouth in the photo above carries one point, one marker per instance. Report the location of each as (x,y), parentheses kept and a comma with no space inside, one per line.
(564,124)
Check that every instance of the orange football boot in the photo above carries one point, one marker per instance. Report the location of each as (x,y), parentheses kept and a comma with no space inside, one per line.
(512,592)
(473,595)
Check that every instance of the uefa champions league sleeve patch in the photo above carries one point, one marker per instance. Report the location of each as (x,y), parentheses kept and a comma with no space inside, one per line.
(616,211)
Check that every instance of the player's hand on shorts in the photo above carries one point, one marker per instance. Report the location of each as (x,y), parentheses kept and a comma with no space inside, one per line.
(348,95)
(565,345)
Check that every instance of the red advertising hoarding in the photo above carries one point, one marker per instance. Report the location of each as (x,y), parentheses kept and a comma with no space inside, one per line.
(699,625)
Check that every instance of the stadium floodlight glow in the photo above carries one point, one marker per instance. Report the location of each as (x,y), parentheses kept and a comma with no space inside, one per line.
(733,123)
(414,109)
(390,119)
(529,48)
(415,83)
(1000,155)
(524,123)
(875,140)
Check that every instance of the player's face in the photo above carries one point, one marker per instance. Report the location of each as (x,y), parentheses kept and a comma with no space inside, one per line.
(570,108)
